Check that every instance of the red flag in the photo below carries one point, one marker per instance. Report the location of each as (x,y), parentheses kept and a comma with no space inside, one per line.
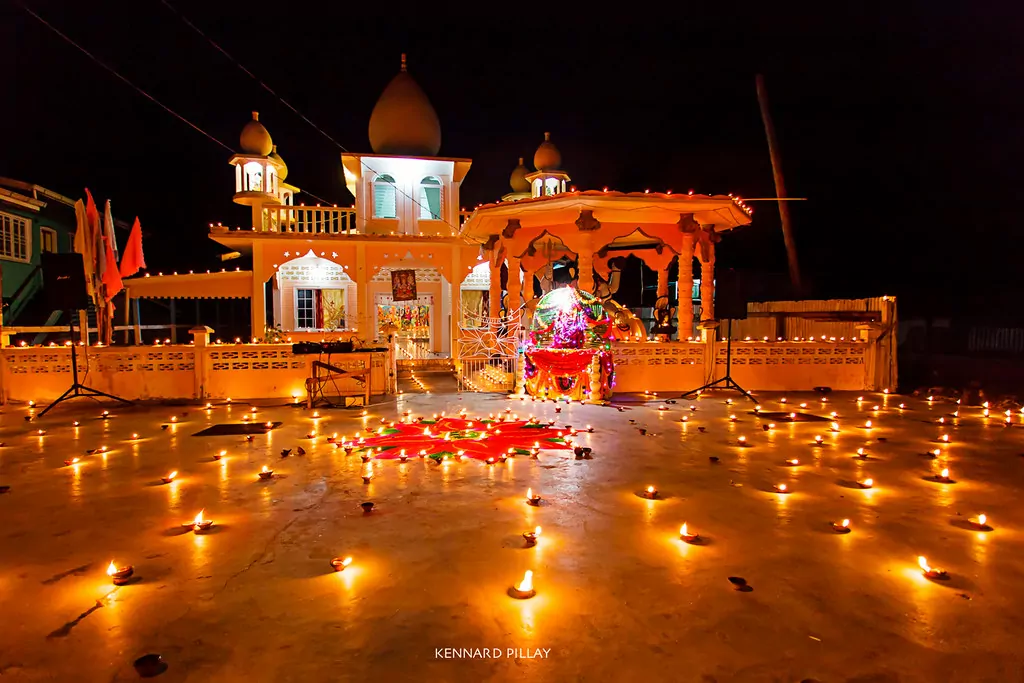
(132,261)
(111,278)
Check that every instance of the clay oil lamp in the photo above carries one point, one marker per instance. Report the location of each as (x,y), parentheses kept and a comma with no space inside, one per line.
(757,409)
(135,437)
(266,473)
(732,418)
(931,572)
(589,429)
(662,407)
(944,438)
(218,456)
(693,408)
(934,453)
(866,483)
(174,418)
(40,432)
(268,425)
(490,461)
(792,417)
(782,400)
(209,406)
(875,408)
(311,435)
(650,493)
(688,536)
(402,456)
(253,410)
(558,409)
(524,589)
(819,440)
(728,401)
(170,477)
(834,427)
(199,524)
(862,453)
(365,456)
(367,507)
(532,498)
(119,576)
(76,423)
(943,477)
(985,413)
(245,418)
(803,405)
(742,442)
(980,523)
(685,418)
(105,415)
(367,476)
(842,527)
(531,537)
(793,462)
(781,488)
(339,564)
(868,425)
(73,461)
(942,420)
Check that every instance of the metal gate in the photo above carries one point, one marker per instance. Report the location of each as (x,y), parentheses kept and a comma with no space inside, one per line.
(488,353)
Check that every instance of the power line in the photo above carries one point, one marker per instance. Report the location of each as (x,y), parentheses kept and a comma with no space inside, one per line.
(139,90)
(270,90)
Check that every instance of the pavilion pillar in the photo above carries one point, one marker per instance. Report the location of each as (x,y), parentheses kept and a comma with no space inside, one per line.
(707,285)
(585,266)
(684,287)
(663,282)
(258,304)
(494,296)
(515,287)
(528,276)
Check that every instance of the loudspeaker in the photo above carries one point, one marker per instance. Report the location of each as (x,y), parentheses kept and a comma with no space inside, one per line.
(730,296)
(64,282)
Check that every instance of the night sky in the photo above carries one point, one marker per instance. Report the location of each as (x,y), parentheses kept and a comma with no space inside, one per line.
(900,125)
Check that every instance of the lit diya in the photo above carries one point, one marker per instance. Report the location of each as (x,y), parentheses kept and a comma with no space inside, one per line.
(931,572)
(120,575)
(218,456)
(732,418)
(742,442)
(842,527)
(943,477)
(688,536)
(532,498)
(170,477)
(367,507)
(73,461)
(199,524)
(944,438)
(650,493)
(780,488)
(524,589)
(367,476)
(934,453)
(981,523)
(862,453)
(819,440)
(793,462)
(105,414)
(339,564)
(531,537)
(866,484)
(266,473)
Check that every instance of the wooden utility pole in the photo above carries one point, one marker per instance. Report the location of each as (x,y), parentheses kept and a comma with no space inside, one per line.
(780,187)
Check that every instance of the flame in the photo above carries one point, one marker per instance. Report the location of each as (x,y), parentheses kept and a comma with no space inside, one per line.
(265,469)
(683,531)
(112,569)
(526,585)
(868,424)
(529,493)
(835,426)
(945,437)
(650,489)
(732,418)
(792,416)
(923,563)
(845,523)
(346,562)
(743,439)
(199,518)
(869,482)
(819,438)
(794,461)
(981,519)
(781,487)
(173,474)
(944,474)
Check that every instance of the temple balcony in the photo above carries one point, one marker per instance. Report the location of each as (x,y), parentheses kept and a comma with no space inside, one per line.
(334,221)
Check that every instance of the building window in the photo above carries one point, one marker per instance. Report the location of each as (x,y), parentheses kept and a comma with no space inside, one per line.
(384,204)
(14,237)
(551,186)
(320,309)
(48,240)
(430,198)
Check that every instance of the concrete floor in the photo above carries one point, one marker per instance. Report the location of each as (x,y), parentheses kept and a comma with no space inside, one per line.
(619,597)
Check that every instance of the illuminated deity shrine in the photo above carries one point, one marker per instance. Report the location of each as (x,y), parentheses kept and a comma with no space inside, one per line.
(569,355)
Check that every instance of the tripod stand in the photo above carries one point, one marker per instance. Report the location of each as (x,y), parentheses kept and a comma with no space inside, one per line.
(78,389)
(726,382)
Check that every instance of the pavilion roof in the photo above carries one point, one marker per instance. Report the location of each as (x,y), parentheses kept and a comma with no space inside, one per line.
(723,211)
(231,284)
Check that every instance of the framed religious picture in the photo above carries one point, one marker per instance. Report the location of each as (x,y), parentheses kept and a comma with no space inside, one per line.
(403,285)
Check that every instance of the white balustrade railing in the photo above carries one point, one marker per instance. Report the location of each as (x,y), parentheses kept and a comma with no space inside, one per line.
(312,220)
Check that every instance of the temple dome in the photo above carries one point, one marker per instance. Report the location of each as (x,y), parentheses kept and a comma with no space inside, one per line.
(547,157)
(403,122)
(283,171)
(255,139)
(518,179)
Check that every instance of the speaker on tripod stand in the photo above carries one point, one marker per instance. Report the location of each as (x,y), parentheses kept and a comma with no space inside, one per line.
(64,290)
(730,304)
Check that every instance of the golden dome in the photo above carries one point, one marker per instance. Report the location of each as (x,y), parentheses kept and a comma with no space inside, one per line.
(282,173)
(547,156)
(255,139)
(518,179)
(403,122)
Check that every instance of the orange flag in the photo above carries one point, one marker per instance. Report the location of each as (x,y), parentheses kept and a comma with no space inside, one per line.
(132,260)
(111,278)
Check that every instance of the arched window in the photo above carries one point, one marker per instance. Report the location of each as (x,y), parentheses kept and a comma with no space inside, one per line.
(384,191)
(253,177)
(538,187)
(430,198)
(551,186)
